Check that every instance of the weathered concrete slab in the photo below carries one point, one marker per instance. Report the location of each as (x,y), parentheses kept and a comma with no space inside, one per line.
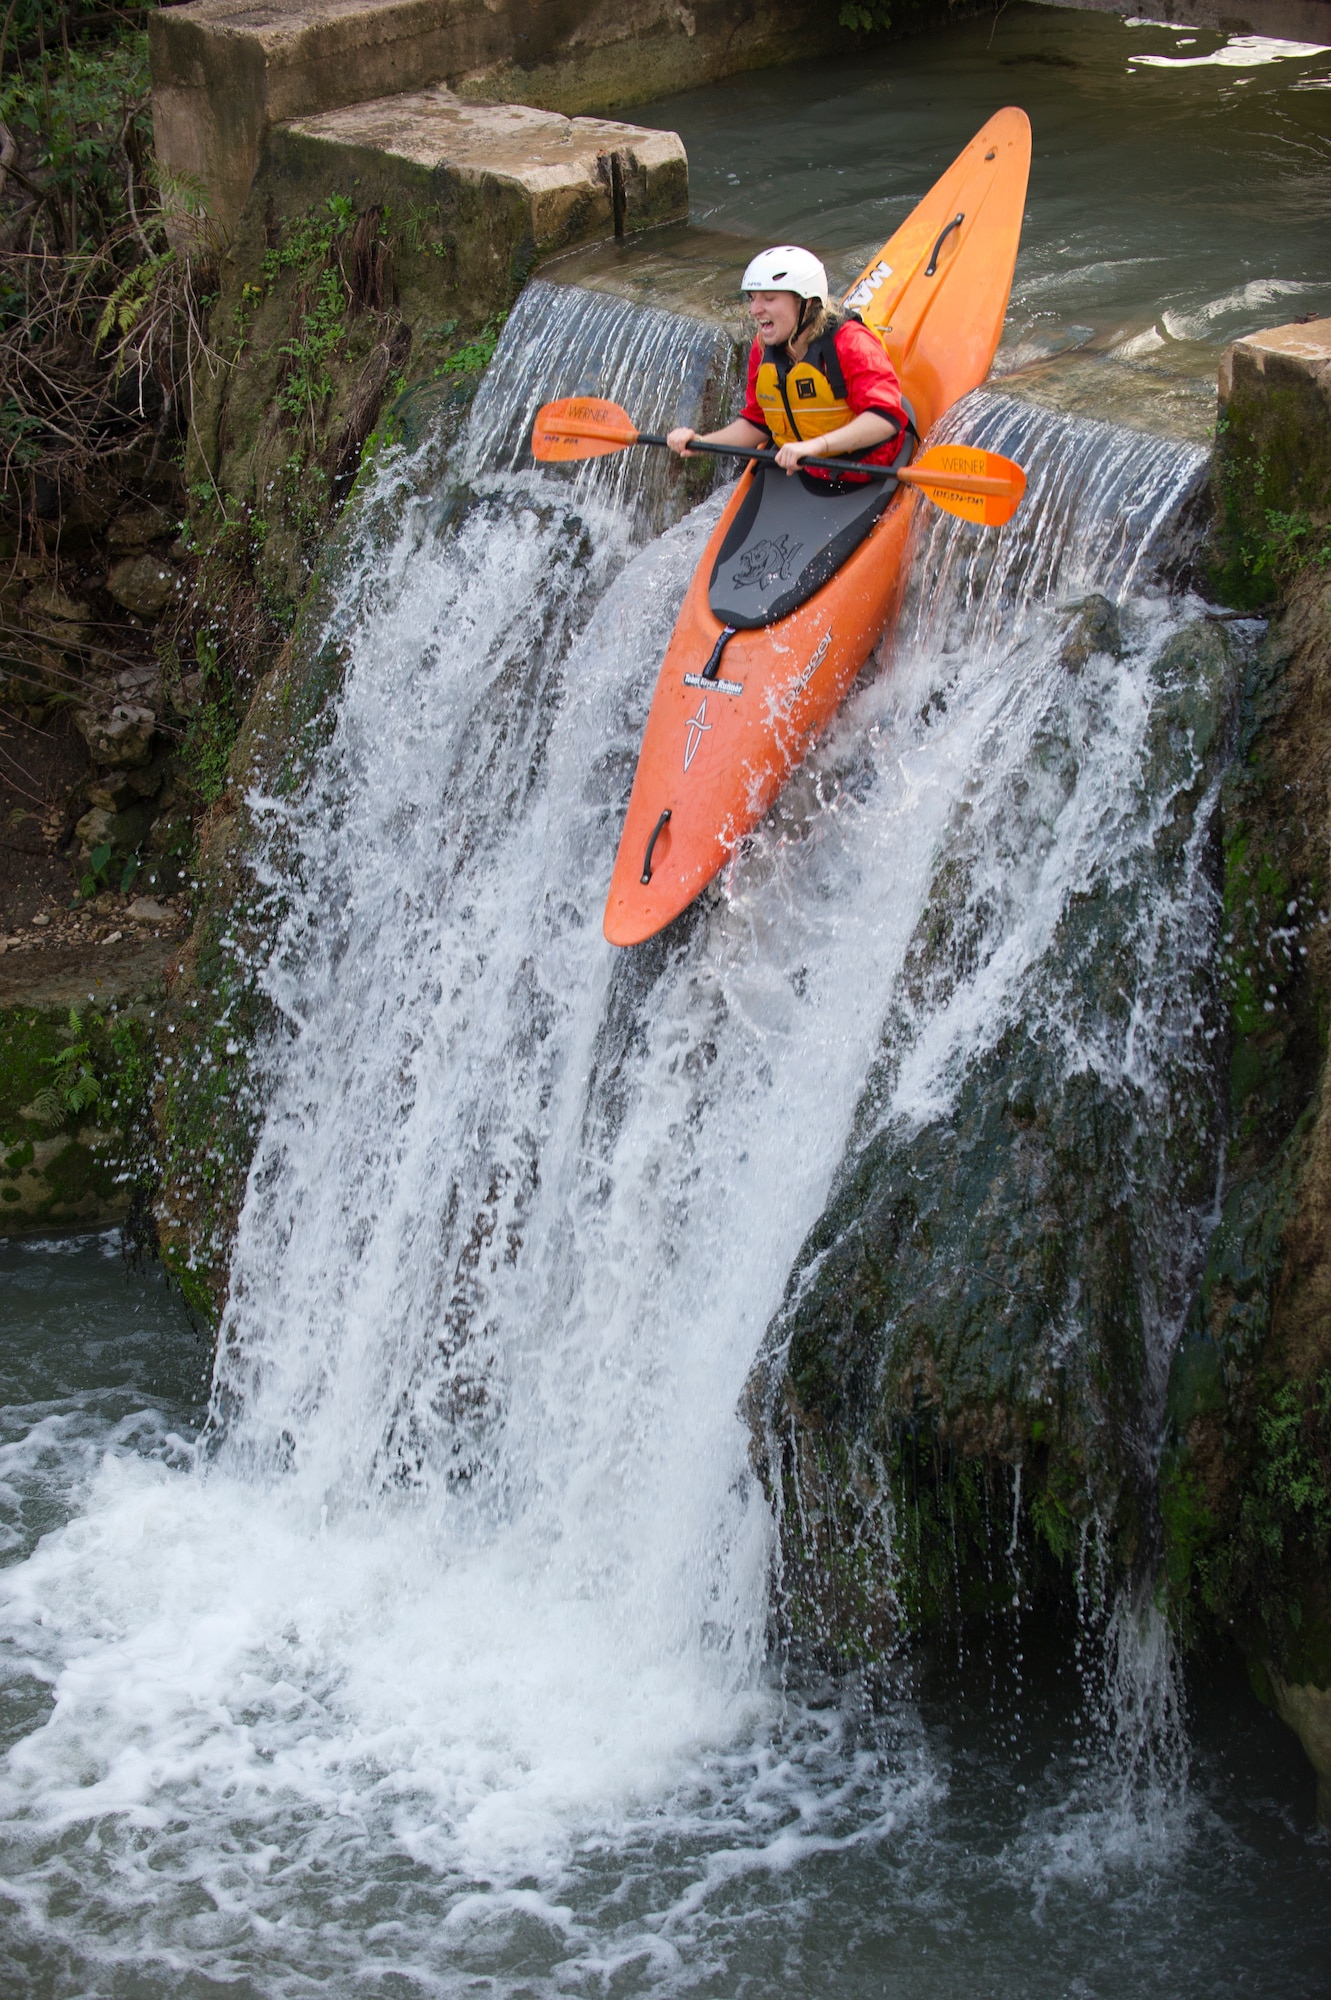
(1300,353)
(578,179)
(224,71)
(1272,453)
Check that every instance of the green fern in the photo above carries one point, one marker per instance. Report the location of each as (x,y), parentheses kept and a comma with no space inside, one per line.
(75,1086)
(129,299)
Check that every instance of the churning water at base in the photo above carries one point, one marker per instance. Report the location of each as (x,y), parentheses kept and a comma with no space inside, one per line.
(440,1667)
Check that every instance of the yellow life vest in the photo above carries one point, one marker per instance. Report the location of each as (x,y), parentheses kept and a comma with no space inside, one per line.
(803,399)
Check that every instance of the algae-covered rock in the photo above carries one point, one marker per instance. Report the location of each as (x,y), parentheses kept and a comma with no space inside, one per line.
(209,1093)
(1246,1477)
(143,585)
(56,605)
(1272,466)
(994,1283)
(135,527)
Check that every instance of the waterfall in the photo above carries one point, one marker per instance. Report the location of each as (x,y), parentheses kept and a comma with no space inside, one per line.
(471,1582)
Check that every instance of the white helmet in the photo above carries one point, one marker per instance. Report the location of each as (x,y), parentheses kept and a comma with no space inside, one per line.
(787,269)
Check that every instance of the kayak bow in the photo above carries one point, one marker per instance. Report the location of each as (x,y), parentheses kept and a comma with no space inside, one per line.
(801,578)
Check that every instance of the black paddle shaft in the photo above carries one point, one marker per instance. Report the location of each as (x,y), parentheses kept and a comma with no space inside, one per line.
(769,457)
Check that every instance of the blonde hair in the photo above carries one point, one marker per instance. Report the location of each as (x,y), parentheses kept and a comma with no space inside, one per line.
(824,319)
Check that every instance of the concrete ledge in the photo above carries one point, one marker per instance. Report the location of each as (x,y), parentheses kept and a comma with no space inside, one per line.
(65,976)
(1299,354)
(224,71)
(577,179)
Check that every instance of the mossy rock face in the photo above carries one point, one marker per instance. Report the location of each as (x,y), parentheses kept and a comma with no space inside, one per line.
(984,1290)
(1272,464)
(74,1094)
(342,298)
(1246,1480)
(206,1102)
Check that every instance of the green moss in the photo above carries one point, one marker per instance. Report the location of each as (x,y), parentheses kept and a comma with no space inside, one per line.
(1259,1563)
(193,1285)
(1059,1522)
(1307,1650)
(210,738)
(74,1115)
(29,1041)
(1190,1526)
(1259,1680)
(206,1104)
(880,1547)
(1272,485)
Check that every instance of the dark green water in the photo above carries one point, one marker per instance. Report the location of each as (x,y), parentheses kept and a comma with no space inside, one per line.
(1173,206)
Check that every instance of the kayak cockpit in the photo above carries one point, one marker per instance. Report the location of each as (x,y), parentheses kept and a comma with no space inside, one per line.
(790,535)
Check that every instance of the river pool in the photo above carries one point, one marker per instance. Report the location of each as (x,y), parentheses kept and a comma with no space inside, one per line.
(965,1835)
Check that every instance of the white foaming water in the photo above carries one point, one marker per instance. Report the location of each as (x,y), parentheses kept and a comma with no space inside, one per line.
(448,1657)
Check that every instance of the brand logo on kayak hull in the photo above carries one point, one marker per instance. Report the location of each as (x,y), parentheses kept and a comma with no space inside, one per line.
(698,726)
(819,655)
(868,285)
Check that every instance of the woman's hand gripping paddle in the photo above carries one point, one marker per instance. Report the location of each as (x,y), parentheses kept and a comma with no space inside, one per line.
(978,486)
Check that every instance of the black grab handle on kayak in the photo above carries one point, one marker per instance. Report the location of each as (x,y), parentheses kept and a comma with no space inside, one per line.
(651,847)
(713,667)
(943,235)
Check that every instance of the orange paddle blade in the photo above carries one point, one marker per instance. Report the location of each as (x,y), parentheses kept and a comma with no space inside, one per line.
(580,427)
(980,486)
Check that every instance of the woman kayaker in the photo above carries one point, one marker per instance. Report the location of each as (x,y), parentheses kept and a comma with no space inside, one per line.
(819,386)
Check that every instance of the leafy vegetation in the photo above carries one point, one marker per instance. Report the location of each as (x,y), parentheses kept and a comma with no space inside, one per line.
(208,743)
(103,872)
(1257,1567)
(75,1086)
(100,315)
(863,18)
(476,354)
(1271,474)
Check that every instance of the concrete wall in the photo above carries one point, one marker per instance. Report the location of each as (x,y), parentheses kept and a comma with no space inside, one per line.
(224,71)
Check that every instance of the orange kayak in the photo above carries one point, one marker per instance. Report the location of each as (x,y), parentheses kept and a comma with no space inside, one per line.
(746,685)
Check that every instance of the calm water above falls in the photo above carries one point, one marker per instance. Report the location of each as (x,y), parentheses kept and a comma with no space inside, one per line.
(442,1668)
(1180,190)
